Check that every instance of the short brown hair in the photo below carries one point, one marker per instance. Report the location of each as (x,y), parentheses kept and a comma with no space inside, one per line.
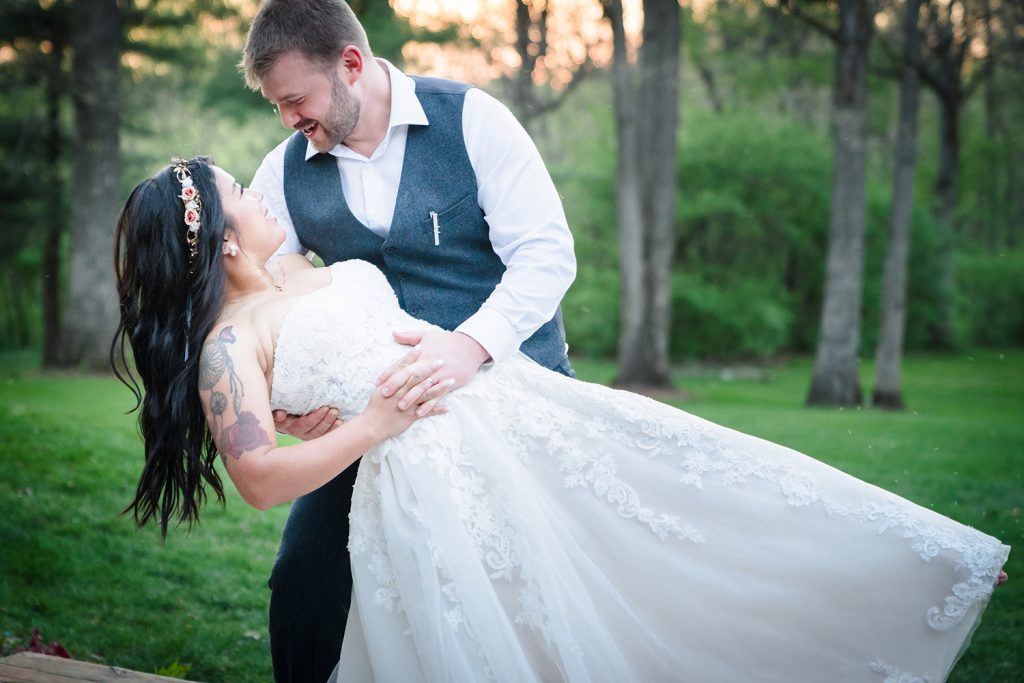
(319,29)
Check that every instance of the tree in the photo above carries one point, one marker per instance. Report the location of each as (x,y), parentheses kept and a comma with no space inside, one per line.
(835,381)
(646,113)
(91,312)
(46,29)
(56,220)
(951,29)
(532,48)
(888,392)
(539,50)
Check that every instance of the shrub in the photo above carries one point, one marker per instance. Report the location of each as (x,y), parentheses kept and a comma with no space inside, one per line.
(742,320)
(990,299)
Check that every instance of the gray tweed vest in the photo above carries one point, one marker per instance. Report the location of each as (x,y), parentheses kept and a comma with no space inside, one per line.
(443,284)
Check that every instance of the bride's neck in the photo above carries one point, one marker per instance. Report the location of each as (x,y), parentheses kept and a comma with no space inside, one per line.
(247,283)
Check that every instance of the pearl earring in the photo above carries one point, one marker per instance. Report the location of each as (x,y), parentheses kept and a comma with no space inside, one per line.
(234,250)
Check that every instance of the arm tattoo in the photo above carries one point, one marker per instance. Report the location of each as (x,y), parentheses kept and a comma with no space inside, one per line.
(246,433)
(216,361)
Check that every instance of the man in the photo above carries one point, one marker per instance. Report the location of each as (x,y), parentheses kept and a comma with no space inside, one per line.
(438,185)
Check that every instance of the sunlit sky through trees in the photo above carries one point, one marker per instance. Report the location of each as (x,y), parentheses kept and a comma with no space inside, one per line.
(576,32)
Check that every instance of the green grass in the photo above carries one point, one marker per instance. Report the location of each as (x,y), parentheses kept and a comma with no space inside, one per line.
(69,458)
(75,568)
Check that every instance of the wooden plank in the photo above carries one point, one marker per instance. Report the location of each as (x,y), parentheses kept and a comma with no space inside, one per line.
(60,670)
(18,674)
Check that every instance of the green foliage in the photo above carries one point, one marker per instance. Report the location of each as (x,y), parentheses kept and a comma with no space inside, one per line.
(744,319)
(591,312)
(752,216)
(386,32)
(923,309)
(29,204)
(990,299)
(578,146)
(761,55)
(752,224)
(991,206)
(175,669)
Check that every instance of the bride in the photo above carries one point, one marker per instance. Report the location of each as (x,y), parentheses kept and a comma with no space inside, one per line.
(534,527)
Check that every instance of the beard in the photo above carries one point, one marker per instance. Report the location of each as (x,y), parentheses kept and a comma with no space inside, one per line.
(341,118)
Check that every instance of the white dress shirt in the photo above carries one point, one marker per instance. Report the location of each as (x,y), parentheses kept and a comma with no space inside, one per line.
(527,225)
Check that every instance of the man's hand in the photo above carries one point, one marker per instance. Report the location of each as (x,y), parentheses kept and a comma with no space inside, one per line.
(309,426)
(454,358)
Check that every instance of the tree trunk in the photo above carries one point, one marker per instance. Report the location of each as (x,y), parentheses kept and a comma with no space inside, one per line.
(646,105)
(991,108)
(55,209)
(946,189)
(888,391)
(20,327)
(91,313)
(523,83)
(951,29)
(835,381)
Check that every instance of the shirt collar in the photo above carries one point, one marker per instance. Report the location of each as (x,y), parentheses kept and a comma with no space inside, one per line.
(406,110)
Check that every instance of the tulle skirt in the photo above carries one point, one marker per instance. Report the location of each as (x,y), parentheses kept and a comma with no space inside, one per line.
(547,529)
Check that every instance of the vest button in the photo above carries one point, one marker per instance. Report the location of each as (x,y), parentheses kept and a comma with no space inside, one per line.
(390,250)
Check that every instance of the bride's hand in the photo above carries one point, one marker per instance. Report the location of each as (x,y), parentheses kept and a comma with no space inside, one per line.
(388,413)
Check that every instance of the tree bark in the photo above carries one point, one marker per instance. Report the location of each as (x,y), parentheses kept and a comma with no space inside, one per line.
(91,313)
(523,86)
(888,389)
(835,381)
(946,191)
(55,210)
(646,106)
(951,29)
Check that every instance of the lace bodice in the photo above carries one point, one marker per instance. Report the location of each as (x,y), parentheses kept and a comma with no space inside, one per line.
(334,342)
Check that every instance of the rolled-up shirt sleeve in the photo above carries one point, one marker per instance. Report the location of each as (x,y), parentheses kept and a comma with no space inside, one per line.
(527,224)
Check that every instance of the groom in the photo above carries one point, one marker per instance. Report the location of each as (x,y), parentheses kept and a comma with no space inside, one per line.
(438,185)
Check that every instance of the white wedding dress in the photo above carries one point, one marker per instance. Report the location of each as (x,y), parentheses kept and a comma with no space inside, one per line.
(547,529)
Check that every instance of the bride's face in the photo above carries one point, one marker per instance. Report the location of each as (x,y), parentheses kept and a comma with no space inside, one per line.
(255,229)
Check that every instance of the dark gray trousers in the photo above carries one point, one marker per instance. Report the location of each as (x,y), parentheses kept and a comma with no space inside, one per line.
(311,584)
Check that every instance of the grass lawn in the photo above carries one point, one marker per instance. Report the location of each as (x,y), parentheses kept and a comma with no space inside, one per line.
(195,606)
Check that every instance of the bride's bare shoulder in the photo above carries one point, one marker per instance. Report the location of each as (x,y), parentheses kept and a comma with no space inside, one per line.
(297,270)
(293,263)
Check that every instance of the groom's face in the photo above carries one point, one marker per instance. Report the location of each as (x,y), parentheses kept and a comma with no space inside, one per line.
(311,99)
(342,116)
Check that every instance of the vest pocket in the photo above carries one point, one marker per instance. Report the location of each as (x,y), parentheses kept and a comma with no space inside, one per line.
(457,219)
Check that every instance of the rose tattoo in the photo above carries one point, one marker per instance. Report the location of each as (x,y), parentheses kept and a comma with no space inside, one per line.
(245,434)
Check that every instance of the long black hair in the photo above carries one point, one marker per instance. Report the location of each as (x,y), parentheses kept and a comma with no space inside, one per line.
(168,306)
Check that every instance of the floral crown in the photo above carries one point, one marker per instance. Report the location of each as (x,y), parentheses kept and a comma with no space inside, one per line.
(193,207)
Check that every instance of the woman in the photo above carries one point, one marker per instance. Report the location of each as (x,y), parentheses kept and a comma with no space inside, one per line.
(536,528)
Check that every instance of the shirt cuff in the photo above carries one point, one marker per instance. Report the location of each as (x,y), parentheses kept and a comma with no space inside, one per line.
(492,331)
